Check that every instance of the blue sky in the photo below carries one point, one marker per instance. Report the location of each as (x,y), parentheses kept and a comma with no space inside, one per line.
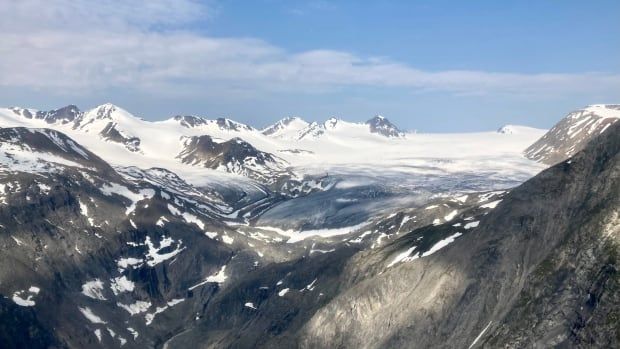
(426,65)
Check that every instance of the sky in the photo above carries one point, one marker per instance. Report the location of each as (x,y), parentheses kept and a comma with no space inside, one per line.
(431,66)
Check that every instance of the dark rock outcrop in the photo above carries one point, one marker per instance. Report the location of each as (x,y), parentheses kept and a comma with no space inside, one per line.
(381,125)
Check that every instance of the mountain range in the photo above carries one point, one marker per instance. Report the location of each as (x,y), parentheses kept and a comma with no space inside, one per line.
(191,232)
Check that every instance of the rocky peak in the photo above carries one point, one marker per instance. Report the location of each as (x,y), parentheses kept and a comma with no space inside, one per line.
(231,125)
(314,130)
(190,121)
(572,133)
(283,125)
(381,125)
(507,129)
(331,122)
(62,115)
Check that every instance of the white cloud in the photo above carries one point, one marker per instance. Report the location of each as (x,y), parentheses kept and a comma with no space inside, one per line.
(111,15)
(149,46)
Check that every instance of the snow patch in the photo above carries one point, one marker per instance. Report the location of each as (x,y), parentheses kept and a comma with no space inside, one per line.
(471,225)
(491,204)
(302,235)
(98,334)
(23,302)
(218,278)
(91,316)
(451,215)
(93,289)
(151,316)
(133,332)
(480,335)
(227,239)
(153,257)
(121,284)
(402,256)
(123,263)
(143,194)
(441,244)
(135,308)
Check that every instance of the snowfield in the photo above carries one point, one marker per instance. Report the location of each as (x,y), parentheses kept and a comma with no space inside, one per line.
(340,144)
(356,174)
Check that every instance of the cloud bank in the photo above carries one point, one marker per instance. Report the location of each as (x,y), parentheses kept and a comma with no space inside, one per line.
(152,46)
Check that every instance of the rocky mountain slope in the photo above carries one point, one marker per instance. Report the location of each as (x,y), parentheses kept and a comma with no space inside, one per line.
(235,156)
(223,124)
(540,270)
(102,255)
(147,257)
(573,132)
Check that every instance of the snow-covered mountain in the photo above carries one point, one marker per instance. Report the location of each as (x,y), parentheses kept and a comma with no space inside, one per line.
(313,130)
(142,143)
(136,257)
(222,124)
(44,150)
(572,133)
(234,156)
(109,122)
(63,115)
(126,140)
(294,128)
(287,128)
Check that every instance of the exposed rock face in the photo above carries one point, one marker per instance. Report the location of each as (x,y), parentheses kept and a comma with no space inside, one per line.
(573,133)
(234,155)
(230,125)
(223,124)
(277,126)
(85,252)
(63,115)
(507,129)
(190,121)
(384,127)
(537,270)
(46,141)
(312,131)
(101,115)
(111,133)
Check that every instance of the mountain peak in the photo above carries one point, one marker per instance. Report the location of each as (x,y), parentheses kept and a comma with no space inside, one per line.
(105,108)
(224,124)
(507,129)
(312,131)
(604,110)
(109,111)
(332,122)
(63,115)
(285,126)
(231,125)
(381,125)
(572,133)
(190,121)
